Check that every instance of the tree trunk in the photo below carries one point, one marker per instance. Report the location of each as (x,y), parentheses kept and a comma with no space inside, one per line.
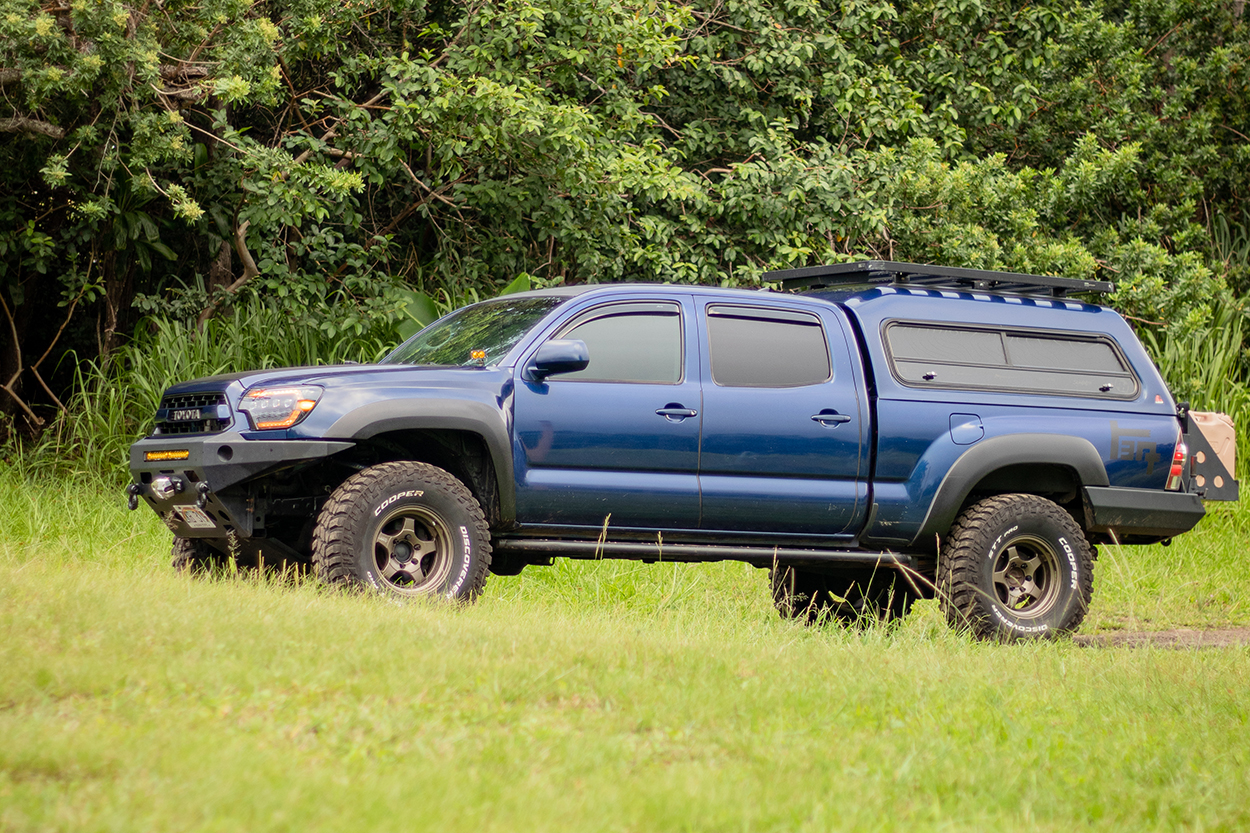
(220,272)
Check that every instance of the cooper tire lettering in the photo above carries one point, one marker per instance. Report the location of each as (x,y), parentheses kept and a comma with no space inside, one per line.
(393,498)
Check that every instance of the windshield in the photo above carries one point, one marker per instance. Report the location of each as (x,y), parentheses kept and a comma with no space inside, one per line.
(480,334)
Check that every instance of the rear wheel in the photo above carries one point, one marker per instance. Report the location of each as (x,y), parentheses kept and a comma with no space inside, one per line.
(405,528)
(1015,567)
(852,597)
(194,556)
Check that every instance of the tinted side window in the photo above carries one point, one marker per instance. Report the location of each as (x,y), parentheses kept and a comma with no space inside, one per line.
(763,348)
(946,345)
(946,357)
(629,343)
(1060,353)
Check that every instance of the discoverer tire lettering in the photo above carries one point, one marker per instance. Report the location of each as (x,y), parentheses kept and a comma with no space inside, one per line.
(404,528)
(1015,567)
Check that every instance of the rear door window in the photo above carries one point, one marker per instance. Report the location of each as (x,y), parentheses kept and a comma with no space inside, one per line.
(757,347)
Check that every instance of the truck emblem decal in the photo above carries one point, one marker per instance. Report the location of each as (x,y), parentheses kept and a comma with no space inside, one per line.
(1126,446)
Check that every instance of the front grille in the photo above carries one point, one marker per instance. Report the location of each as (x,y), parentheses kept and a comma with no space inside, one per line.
(175,415)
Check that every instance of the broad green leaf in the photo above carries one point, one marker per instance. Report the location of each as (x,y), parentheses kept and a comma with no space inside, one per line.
(521,283)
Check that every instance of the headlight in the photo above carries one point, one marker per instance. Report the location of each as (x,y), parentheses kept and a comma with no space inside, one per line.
(279,407)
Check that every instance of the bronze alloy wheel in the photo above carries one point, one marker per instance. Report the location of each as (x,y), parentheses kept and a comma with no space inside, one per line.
(413,550)
(1026,576)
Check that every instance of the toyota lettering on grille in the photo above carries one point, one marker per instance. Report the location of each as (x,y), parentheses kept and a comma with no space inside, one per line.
(185,414)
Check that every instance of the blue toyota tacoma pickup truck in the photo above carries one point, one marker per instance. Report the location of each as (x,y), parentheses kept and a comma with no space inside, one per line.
(892,431)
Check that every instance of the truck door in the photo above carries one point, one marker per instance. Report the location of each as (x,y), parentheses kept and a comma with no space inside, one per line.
(620,438)
(784,422)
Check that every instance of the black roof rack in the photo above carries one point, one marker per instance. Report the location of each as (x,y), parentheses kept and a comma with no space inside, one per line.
(945,277)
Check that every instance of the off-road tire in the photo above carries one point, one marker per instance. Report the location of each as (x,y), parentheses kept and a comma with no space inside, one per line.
(194,556)
(989,568)
(856,597)
(404,528)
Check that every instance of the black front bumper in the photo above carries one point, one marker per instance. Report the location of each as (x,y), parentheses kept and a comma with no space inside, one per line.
(1138,515)
(204,505)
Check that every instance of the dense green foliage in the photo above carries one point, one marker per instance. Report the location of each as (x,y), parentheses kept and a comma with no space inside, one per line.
(346,162)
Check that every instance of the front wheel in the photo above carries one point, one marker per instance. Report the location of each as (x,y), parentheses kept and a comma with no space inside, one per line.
(405,528)
(194,556)
(1015,567)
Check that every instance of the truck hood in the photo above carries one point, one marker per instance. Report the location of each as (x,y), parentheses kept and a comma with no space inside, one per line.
(342,375)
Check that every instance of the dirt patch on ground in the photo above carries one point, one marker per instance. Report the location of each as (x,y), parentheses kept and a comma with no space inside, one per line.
(1176,638)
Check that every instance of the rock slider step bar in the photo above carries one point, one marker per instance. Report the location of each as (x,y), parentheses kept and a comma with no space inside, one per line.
(638,550)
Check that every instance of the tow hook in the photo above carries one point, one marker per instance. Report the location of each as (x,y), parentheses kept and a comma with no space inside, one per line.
(202,500)
(132,496)
(166,487)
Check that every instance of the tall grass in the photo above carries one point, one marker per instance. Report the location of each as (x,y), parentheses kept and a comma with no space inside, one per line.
(1209,368)
(113,402)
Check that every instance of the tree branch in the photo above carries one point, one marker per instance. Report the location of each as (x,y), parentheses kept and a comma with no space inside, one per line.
(48,390)
(185,94)
(330,133)
(1238,132)
(240,247)
(24,125)
(34,368)
(436,194)
(17,349)
(249,271)
(195,53)
(174,72)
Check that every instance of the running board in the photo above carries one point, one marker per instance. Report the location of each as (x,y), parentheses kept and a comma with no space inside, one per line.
(651,552)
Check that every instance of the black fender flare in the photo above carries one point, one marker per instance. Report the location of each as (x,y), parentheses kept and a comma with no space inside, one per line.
(485,420)
(987,456)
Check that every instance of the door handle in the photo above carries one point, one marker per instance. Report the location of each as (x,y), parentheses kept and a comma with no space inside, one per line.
(676,412)
(830,419)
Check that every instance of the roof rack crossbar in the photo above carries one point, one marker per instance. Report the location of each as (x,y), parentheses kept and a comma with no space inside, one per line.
(888,271)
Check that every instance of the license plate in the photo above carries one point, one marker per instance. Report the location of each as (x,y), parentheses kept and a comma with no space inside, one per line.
(196,518)
(185,414)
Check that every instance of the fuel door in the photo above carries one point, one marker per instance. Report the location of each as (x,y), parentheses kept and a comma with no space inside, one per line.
(966,428)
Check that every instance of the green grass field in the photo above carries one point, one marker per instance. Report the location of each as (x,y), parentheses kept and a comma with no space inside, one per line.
(590,696)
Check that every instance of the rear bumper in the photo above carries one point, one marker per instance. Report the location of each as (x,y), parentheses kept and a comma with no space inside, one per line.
(1137,515)
(203,506)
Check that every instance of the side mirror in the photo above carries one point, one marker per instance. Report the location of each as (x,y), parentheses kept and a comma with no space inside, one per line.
(560,355)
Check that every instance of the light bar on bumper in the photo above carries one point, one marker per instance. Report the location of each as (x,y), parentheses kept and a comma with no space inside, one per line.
(279,407)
